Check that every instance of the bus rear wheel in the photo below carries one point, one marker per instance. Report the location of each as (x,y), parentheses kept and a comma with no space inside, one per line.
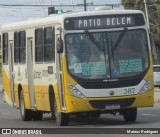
(130,114)
(26,114)
(62,119)
(51,100)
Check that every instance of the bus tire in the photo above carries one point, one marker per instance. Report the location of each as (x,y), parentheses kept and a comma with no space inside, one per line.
(51,101)
(62,119)
(130,114)
(26,114)
(37,115)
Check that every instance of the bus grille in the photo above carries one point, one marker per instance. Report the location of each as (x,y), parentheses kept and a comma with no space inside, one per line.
(101,104)
(115,84)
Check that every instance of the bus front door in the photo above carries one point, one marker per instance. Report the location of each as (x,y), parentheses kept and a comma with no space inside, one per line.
(11,72)
(59,70)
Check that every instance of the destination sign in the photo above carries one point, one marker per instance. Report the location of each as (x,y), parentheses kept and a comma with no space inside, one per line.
(102,22)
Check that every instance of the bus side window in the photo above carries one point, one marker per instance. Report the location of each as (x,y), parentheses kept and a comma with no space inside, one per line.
(5,48)
(16,47)
(39,45)
(49,45)
(22,47)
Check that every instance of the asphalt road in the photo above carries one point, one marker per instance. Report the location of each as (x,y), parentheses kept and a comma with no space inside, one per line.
(147,118)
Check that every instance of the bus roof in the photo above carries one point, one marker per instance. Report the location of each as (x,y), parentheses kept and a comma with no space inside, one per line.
(59,18)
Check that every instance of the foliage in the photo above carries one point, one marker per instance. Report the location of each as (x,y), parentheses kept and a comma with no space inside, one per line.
(153,7)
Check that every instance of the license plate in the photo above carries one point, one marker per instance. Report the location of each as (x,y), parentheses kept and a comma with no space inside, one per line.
(112,106)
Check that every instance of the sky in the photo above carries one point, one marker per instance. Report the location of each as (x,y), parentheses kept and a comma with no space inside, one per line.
(9,14)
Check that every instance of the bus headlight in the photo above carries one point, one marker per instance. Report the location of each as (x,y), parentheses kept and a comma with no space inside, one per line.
(146,86)
(75,92)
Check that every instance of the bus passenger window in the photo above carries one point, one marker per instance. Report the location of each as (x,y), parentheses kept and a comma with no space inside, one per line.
(49,45)
(39,45)
(22,47)
(5,48)
(16,47)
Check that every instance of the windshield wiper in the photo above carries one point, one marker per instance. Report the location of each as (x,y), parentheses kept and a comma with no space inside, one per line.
(118,41)
(94,40)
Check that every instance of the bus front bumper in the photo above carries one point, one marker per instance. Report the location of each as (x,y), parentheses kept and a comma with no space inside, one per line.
(74,104)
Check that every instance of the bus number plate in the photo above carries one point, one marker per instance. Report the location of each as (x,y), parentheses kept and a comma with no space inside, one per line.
(112,106)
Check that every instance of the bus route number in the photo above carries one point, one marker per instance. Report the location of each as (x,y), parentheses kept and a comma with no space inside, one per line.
(129,91)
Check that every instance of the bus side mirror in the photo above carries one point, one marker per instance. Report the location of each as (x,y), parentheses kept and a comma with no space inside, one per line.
(59,45)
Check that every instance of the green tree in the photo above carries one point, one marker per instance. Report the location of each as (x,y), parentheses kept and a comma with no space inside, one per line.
(153,7)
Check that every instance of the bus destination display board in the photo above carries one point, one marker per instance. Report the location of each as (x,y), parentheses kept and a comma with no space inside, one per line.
(102,22)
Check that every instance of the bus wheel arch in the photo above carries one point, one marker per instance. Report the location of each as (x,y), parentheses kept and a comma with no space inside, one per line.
(26,114)
(62,119)
(19,92)
(51,100)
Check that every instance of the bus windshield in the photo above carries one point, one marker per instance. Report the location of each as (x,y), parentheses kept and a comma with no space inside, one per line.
(105,55)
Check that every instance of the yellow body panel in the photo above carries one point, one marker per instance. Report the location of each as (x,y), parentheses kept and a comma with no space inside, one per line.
(6,84)
(57,97)
(42,98)
(41,94)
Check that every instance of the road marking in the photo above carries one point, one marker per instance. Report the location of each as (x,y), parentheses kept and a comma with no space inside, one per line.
(149,115)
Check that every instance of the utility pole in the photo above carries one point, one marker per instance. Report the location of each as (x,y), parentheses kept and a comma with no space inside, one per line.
(146,11)
(85,5)
(151,35)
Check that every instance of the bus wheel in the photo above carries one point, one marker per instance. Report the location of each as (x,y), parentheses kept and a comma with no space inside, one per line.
(51,100)
(37,115)
(26,114)
(130,114)
(62,119)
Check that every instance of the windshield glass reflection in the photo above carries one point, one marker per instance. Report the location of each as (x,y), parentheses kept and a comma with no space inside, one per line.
(87,61)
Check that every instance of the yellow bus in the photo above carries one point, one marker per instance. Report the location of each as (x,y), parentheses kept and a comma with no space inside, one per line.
(82,64)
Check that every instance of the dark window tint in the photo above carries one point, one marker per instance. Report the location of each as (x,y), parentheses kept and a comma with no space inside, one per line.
(16,47)
(115,54)
(22,47)
(49,44)
(39,45)
(5,48)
